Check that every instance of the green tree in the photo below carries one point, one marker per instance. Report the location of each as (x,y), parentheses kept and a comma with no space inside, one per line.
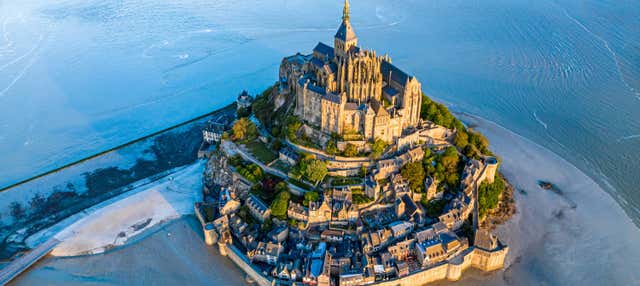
(433,208)
(243,112)
(450,160)
(311,196)
(489,195)
(314,169)
(470,151)
(244,129)
(282,187)
(276,145)
(263,109)
(414,174)
(293,124)
(280,205)
(427,153)
(350,150)
(378,147)
(331,147)
(363,171)
(462,139)
(480,142)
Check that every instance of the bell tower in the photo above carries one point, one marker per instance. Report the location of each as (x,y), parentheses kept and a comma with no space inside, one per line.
(345,38)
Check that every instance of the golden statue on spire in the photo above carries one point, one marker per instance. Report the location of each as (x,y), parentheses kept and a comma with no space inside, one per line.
(345,11)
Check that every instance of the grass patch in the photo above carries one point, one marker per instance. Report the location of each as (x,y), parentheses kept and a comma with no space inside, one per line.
(261,151)
(346,181)
(358,197)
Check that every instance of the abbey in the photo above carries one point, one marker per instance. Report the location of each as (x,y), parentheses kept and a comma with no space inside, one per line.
(347,90)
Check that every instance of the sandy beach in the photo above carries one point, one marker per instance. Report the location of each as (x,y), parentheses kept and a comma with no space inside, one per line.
(170,254)
(579,237)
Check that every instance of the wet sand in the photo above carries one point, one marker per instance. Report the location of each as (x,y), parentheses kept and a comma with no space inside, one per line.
(172,254)
(580,236)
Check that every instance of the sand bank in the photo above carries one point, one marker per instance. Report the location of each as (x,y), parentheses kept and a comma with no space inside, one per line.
(114,224)
(579,237)
(170,254)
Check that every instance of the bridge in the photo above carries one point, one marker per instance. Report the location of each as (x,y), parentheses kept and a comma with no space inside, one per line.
(22,263)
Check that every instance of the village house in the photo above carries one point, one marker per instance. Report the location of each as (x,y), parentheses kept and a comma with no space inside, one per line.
(330,235)
(385,168)
(266,252)
(407,208)
(402,249)
(212,132)
(298,212)
(227,203)
(286,154)
(440,248)
(374,241)
(278,234)
(320,212)
(258,208)
(400,229)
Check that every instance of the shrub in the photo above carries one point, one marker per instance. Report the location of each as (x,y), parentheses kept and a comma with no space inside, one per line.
(310,197)
(280,205)
(414,174)
(378,148)
(244,129)
(489,195)
(350,150)
(313,169)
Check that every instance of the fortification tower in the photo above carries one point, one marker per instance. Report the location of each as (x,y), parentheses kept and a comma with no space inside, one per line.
(491,165)
(345,38)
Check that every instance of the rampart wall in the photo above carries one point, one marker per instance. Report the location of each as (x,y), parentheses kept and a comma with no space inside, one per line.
(452,270)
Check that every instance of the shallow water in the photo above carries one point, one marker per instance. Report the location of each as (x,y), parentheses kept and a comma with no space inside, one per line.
(77,77)
(174,254)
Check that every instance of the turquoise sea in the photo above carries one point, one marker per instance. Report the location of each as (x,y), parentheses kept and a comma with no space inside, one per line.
(78,77)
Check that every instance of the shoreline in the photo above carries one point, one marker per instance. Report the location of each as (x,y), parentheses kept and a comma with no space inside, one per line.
(71,191)
(112,224)
(557,238)
(167,254)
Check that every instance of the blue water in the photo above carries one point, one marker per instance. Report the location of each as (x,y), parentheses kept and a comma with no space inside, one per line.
(77,77)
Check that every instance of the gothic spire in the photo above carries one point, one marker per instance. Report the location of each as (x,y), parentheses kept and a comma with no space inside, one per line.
(345,11)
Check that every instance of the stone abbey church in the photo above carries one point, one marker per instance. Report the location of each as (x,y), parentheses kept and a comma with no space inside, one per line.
(350,91)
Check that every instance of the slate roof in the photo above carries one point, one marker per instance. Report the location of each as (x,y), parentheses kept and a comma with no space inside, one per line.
(298,59)
(390,91)
(409,206)
(397,74)
(311,86)
(316,89)
(345,32)
(324,49)
(318,63)
(332,97)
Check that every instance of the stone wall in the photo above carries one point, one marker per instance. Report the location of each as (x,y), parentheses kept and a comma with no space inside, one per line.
(241,261)
(210,234)
(452,270)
